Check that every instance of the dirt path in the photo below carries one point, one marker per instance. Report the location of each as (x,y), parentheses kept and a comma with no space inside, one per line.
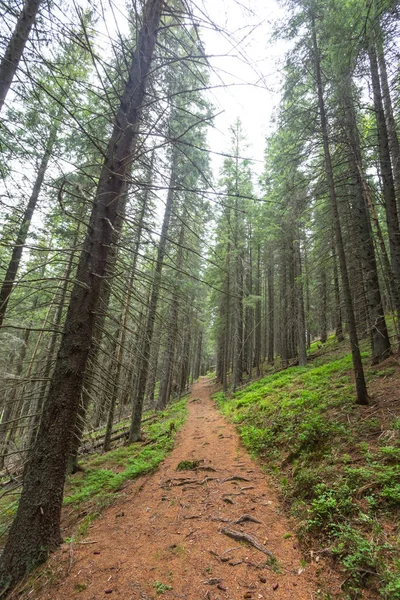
(166,533)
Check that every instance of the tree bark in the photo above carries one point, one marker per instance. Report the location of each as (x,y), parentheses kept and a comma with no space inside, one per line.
(16,45)
(168,363)
(301,320)
(258,320)
(137,408)
(271,311)
(12,269)
(388,188)
(361,388)
(121,334)
(284,327)
(379,334)
(35,531)
(323,323)
(336,290)
(393,139)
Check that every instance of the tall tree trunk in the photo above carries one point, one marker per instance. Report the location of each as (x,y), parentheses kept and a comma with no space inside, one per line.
(301,321)
(152,379)
(12,269)
(323,316)
(389,195)
(172,333)
(271,311)
(237,325)
(10,411)
(361,388)
(16,45)
(283,292)
(393,139)
(227,318)
(248,345)
(379,334)
(307,295)
(93,368)
(121,333)
(197,356)
(36,528)
(336,290)
(258,320)
(291,302)
(137,408)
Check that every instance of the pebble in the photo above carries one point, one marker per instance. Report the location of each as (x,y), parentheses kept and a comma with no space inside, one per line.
(275,586)
(262,579)
(108,591)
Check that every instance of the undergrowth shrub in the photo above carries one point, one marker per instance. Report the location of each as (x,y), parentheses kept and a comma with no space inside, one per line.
(339,477)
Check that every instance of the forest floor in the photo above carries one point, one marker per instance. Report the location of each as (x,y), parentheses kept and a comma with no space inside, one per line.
(164,536)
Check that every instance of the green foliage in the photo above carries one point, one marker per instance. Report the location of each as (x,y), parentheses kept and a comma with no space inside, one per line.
(303,423)
(160,587)
(391,590)
(188,465)
(99,484)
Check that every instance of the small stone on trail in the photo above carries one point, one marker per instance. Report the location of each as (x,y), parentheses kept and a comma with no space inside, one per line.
(228,500)
(262,579)
(108,591)
(275,586)
(96,552)
(221,587)
(224,559)
(248,595)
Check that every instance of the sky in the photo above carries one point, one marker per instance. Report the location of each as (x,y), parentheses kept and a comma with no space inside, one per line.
(247,63)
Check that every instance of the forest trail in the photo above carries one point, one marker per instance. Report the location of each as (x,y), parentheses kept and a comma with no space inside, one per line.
(164,536)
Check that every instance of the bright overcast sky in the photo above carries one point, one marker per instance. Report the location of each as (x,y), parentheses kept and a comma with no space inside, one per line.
(245,65)
(242,58)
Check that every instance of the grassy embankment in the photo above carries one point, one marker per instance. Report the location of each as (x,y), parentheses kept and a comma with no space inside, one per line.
(337,464)
(103,475)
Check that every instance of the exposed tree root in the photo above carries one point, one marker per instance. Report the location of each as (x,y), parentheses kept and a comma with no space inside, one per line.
(244,518)
(245,537)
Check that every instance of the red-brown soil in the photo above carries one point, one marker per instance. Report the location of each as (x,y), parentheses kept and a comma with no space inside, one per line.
(164,530)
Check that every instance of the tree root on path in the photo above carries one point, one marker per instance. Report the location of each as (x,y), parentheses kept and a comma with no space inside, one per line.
(245,537)
(241,519)
(244,518)
(235,478)
(180,482)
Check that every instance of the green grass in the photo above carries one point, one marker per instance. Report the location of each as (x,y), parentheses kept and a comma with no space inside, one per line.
(104,474)
(160,587)
(339,477)
(127,462)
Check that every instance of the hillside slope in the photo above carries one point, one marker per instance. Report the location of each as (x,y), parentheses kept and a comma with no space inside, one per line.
(336,463)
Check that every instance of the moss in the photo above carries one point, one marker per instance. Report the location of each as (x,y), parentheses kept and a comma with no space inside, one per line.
(96,483)
(305,427)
